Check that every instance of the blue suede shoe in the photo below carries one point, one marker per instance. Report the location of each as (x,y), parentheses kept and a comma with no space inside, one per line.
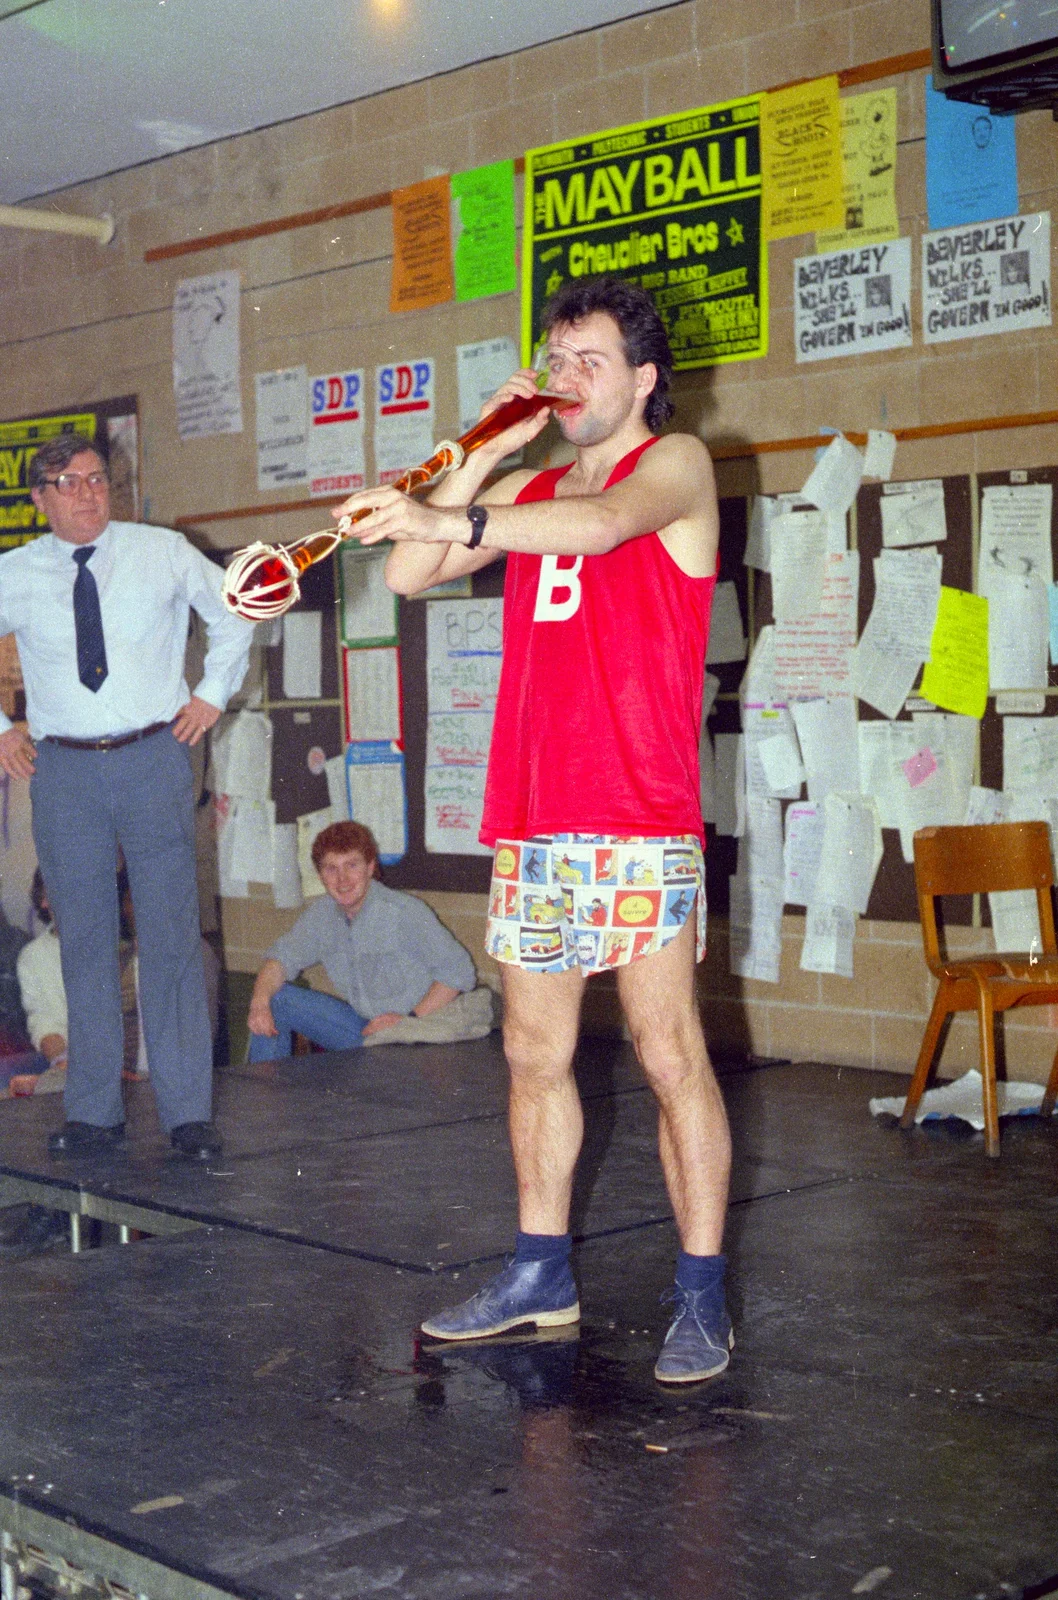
(543,1292)
(699,1341)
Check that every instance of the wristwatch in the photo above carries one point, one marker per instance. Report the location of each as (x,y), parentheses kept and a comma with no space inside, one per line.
(478,517)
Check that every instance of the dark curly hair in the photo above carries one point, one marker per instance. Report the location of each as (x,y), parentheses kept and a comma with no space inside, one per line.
(642,330)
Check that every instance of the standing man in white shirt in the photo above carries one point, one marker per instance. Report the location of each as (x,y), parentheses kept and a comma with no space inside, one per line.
(100,612)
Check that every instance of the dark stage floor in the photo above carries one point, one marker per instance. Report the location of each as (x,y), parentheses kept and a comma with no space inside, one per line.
(247,1406)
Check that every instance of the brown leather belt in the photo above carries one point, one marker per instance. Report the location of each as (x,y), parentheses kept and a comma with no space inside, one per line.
(110,743)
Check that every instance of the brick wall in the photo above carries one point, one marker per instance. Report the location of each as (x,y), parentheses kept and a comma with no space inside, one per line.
(80,323)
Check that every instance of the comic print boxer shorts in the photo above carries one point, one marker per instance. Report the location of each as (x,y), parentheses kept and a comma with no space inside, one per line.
(590,901)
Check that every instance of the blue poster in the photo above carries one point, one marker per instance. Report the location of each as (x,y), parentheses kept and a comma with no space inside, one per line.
(971,162)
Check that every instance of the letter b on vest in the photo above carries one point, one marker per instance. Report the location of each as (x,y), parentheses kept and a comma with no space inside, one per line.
(558,591)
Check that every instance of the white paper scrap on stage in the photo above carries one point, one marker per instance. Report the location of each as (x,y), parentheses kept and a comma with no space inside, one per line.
(985,806)
(798,555)
(829,935)
(1015,534)
(992,277)
(464,652)
(286,874)
(896,639)
(308,826)
(848,302)
(302,655)
(1018,633)
(802,850)
(1030,755)
(404,416)
(251,851)
(242,756)
(729,784)
(377,795)
(282,427)
(480,370)
(727,638)
(369,607)
(851,852)
(834,480)
(336,434)
(814,653)
(755,921)
(963,1098)
(913,513)
(760,848)
(206,375)
(1015,917)
(337,788)
(372,694)
(826,731)
(879,455)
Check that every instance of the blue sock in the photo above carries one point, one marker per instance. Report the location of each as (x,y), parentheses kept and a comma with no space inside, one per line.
(700,1272)
(543,1246)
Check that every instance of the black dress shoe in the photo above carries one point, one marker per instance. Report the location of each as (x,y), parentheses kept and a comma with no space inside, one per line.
(84,1138)
(198,1141)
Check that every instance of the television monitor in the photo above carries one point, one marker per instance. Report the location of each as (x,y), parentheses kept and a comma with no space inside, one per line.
(1004,56)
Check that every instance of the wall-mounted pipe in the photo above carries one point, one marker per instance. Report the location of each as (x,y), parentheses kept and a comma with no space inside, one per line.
(101,229)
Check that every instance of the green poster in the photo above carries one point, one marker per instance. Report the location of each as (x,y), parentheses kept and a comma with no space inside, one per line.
(672,204)
(483,223)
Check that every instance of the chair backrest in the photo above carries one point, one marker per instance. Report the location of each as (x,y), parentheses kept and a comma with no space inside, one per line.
(987,859)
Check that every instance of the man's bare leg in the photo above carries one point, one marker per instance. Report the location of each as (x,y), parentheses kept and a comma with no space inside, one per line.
(541,1017)
(658,997)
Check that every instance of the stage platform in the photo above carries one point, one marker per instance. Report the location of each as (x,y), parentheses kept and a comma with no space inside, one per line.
(245,1410)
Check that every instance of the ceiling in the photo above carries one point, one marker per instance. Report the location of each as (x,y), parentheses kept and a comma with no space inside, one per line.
(93,86)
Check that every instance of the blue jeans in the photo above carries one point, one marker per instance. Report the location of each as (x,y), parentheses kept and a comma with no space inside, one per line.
(319,1017)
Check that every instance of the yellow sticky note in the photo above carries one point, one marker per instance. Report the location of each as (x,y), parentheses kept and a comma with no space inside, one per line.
(801,166)
(956,675)
(868,153)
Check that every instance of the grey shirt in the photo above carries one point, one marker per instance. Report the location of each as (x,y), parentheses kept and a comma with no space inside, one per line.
(385,959)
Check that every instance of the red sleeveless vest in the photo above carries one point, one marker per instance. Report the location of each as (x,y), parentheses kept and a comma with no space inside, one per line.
(600,697)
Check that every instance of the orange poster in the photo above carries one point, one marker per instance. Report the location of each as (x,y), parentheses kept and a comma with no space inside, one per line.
(422,246)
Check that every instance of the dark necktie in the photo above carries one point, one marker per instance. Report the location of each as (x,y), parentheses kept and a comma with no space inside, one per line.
(88,623)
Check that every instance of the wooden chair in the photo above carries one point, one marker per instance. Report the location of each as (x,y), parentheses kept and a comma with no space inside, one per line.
(984,860)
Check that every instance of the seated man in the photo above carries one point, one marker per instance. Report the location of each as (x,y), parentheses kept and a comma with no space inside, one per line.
(385,952)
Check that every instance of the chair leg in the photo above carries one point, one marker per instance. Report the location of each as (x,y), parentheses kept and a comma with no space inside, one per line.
(1051,1091)
(986,1018)
(920,1076)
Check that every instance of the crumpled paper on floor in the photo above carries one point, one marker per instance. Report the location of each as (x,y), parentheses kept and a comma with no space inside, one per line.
(963,1098)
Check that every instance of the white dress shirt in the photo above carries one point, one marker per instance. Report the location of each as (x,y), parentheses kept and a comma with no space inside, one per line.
(148,579)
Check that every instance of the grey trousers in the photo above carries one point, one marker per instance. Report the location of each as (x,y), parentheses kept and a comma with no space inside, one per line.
(86,803)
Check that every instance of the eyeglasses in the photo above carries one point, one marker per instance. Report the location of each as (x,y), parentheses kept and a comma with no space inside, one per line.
(69,483)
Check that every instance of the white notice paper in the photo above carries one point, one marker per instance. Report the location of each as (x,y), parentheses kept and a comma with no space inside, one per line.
(369,608)
(372,695)
(760,849)
(985,806)
(1018,633)
(813,654)
(829,935)
(1030,755)
(826,730)
(286,875)
(802,851)
(464,651)
(727,639)
(770,736)
(251,851)
(897,637)
(302,655)
(851,853)
(835,478)
(988,278)
(913,513)
(480,370)
(282,427)
(404,416)
(337,790)
(1016,921)
(308,826)
(336,434)
(242,756)
(1015,534)
(375,775)
(884,748)
(798,555)
(206,377)
(847,302)
(231,887)
(755,928)
(880,453)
